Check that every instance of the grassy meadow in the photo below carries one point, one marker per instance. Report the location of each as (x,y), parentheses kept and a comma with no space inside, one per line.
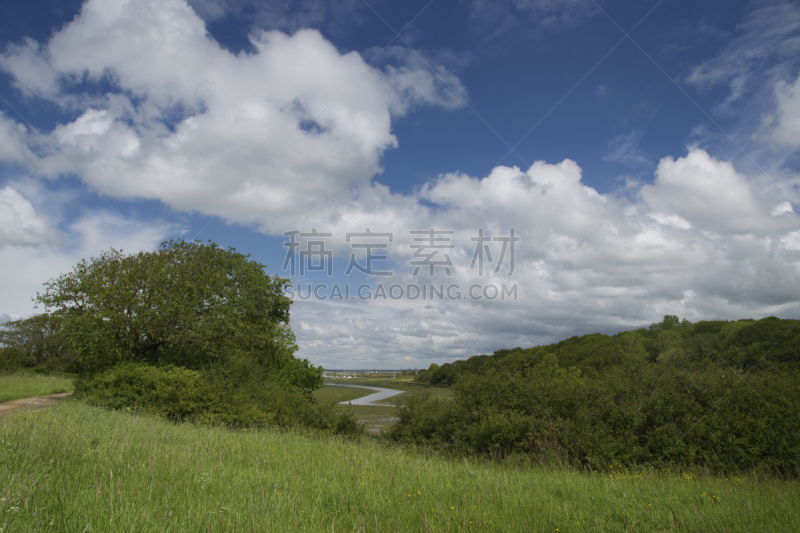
(403,383)
(80,468)
(22,385)
(376,418)
(339,394)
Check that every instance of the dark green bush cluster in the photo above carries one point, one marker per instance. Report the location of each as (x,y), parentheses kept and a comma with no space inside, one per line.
(718,394)
(13,358)
(229,398)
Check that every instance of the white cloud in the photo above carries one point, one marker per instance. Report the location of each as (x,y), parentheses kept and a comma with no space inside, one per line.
(624,149)
(5,317)
(419,80)
(710,195)
(698,243)
(766,48)
(757,66)
(21,225)
(291,136)
(260,137)
(24,269)
(33,75)
(14,139)
(787,129)
(781,208)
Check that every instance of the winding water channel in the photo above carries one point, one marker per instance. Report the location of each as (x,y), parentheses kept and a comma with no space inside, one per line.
(381,394)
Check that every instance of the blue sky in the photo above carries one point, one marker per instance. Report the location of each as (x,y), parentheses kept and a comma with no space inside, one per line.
(645,154)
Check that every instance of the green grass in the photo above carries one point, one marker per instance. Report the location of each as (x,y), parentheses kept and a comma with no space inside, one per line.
(404,384)
(78,468)
(339,394)
(16,386)
(375,418)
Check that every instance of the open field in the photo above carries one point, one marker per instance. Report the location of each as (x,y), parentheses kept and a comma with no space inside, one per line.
(339,394)
(376,418)
(78,468)
(404,383)
(20,385)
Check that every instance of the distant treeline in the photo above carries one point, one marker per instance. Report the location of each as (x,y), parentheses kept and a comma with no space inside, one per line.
(716,393)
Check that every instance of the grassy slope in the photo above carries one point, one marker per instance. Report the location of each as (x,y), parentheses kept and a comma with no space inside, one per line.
(15,386)
(86,469)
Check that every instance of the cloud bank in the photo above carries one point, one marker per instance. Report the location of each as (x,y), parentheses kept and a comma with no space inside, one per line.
(292,135)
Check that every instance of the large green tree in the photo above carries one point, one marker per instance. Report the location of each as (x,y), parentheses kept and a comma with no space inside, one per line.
(186,304)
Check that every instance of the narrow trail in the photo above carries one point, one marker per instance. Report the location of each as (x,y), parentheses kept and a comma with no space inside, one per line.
(34,402)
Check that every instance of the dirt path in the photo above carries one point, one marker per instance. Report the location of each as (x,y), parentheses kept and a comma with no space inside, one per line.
(35,402)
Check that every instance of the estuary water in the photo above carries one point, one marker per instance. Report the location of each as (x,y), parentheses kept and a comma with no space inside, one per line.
(380,394)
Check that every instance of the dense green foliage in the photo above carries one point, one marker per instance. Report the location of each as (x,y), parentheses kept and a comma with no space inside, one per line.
(189,332)
(187,304)
(720,394)
(35,343)
(234,399)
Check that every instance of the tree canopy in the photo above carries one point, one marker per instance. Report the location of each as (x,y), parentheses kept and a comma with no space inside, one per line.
(186,304)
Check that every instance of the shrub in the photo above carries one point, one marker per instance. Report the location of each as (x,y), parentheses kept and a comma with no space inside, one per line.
(13,358)
(183,395)
(638,413)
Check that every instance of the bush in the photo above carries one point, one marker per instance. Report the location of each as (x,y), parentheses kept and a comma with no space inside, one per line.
(183,395)
(172,392)
(13,358)
(636,413)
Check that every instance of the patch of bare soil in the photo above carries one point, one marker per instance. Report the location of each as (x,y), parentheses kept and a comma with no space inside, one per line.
(35,402)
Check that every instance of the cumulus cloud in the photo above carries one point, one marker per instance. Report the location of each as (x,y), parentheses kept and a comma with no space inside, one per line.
(696,243)
(420,79)
(710,195)
(14,140)
(33,74)
(24,268)
(259,138)
(291,135)
(5,317)
(20,224)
